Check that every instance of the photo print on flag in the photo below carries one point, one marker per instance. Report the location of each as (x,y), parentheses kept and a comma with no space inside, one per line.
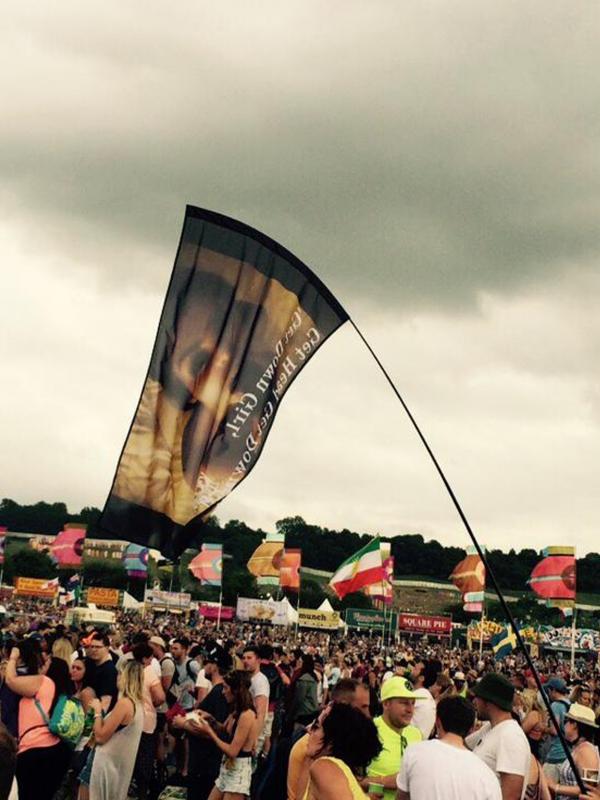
(242,317)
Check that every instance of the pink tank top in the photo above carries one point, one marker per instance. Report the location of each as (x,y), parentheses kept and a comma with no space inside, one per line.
(33,731)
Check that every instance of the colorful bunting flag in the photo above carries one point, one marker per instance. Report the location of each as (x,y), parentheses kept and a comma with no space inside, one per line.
(135,559)
(241,319)
(360,570)
(207,566)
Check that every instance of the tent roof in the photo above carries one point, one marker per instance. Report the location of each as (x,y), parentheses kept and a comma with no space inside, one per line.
(325,605)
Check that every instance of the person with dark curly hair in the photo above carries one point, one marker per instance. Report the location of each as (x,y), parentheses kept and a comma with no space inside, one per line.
(341,743)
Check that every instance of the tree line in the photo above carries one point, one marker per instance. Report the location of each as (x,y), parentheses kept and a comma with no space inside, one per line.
(322,548)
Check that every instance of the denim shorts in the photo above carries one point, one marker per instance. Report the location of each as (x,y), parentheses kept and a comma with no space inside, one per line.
(235,775)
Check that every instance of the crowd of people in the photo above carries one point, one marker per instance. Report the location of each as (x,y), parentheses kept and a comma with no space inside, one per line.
(170,707)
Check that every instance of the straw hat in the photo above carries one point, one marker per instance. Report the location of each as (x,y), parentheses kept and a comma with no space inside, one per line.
(582,714)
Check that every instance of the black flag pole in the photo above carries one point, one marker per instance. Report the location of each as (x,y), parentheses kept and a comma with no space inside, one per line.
(481,554)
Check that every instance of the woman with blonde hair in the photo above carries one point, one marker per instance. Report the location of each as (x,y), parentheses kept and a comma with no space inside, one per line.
(109,767)
(62,648)
(535,721)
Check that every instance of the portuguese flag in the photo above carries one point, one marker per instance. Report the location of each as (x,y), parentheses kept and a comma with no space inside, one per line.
(360,570)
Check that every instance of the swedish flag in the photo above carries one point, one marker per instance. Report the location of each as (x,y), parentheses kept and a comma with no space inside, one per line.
(504,643)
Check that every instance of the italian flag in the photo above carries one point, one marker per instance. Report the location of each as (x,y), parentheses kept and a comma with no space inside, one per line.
(358,571)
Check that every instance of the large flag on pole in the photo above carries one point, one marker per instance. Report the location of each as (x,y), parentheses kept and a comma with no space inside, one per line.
(67,548)
(207,566)
(555,577)
(359,570)
(241,318)
(289,569)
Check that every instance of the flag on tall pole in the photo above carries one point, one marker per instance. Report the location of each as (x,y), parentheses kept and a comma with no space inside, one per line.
(359,570)
(135,560)
(503,643)
(74,587)
(67,548)
(469,578)
(207,566)
(382,592)
(265,561)
(289,569)
(555,577)
(241,318)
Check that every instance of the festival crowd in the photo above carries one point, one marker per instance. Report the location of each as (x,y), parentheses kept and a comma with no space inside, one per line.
(166,707)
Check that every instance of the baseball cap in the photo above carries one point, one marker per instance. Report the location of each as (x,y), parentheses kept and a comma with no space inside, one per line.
(557,684)
(398,687)
(219,657)
(157,640)
(459,676)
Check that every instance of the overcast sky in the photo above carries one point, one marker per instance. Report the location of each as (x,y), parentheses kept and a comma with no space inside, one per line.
(436,163)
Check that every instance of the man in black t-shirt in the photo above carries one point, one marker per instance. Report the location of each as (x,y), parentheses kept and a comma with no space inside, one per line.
(102,673)
(204,756)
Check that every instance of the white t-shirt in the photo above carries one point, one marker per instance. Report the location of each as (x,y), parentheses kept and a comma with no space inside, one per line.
(259,686)
(202,681)
(504,748)
(322,687)
(424,713)
(438,770)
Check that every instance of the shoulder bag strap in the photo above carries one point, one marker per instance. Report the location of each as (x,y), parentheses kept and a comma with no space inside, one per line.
(44,716)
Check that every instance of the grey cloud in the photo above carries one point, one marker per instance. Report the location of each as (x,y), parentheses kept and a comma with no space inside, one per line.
(416,155)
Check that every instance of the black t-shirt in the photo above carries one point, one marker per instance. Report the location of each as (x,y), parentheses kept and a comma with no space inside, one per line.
(104,681)
(205,756)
